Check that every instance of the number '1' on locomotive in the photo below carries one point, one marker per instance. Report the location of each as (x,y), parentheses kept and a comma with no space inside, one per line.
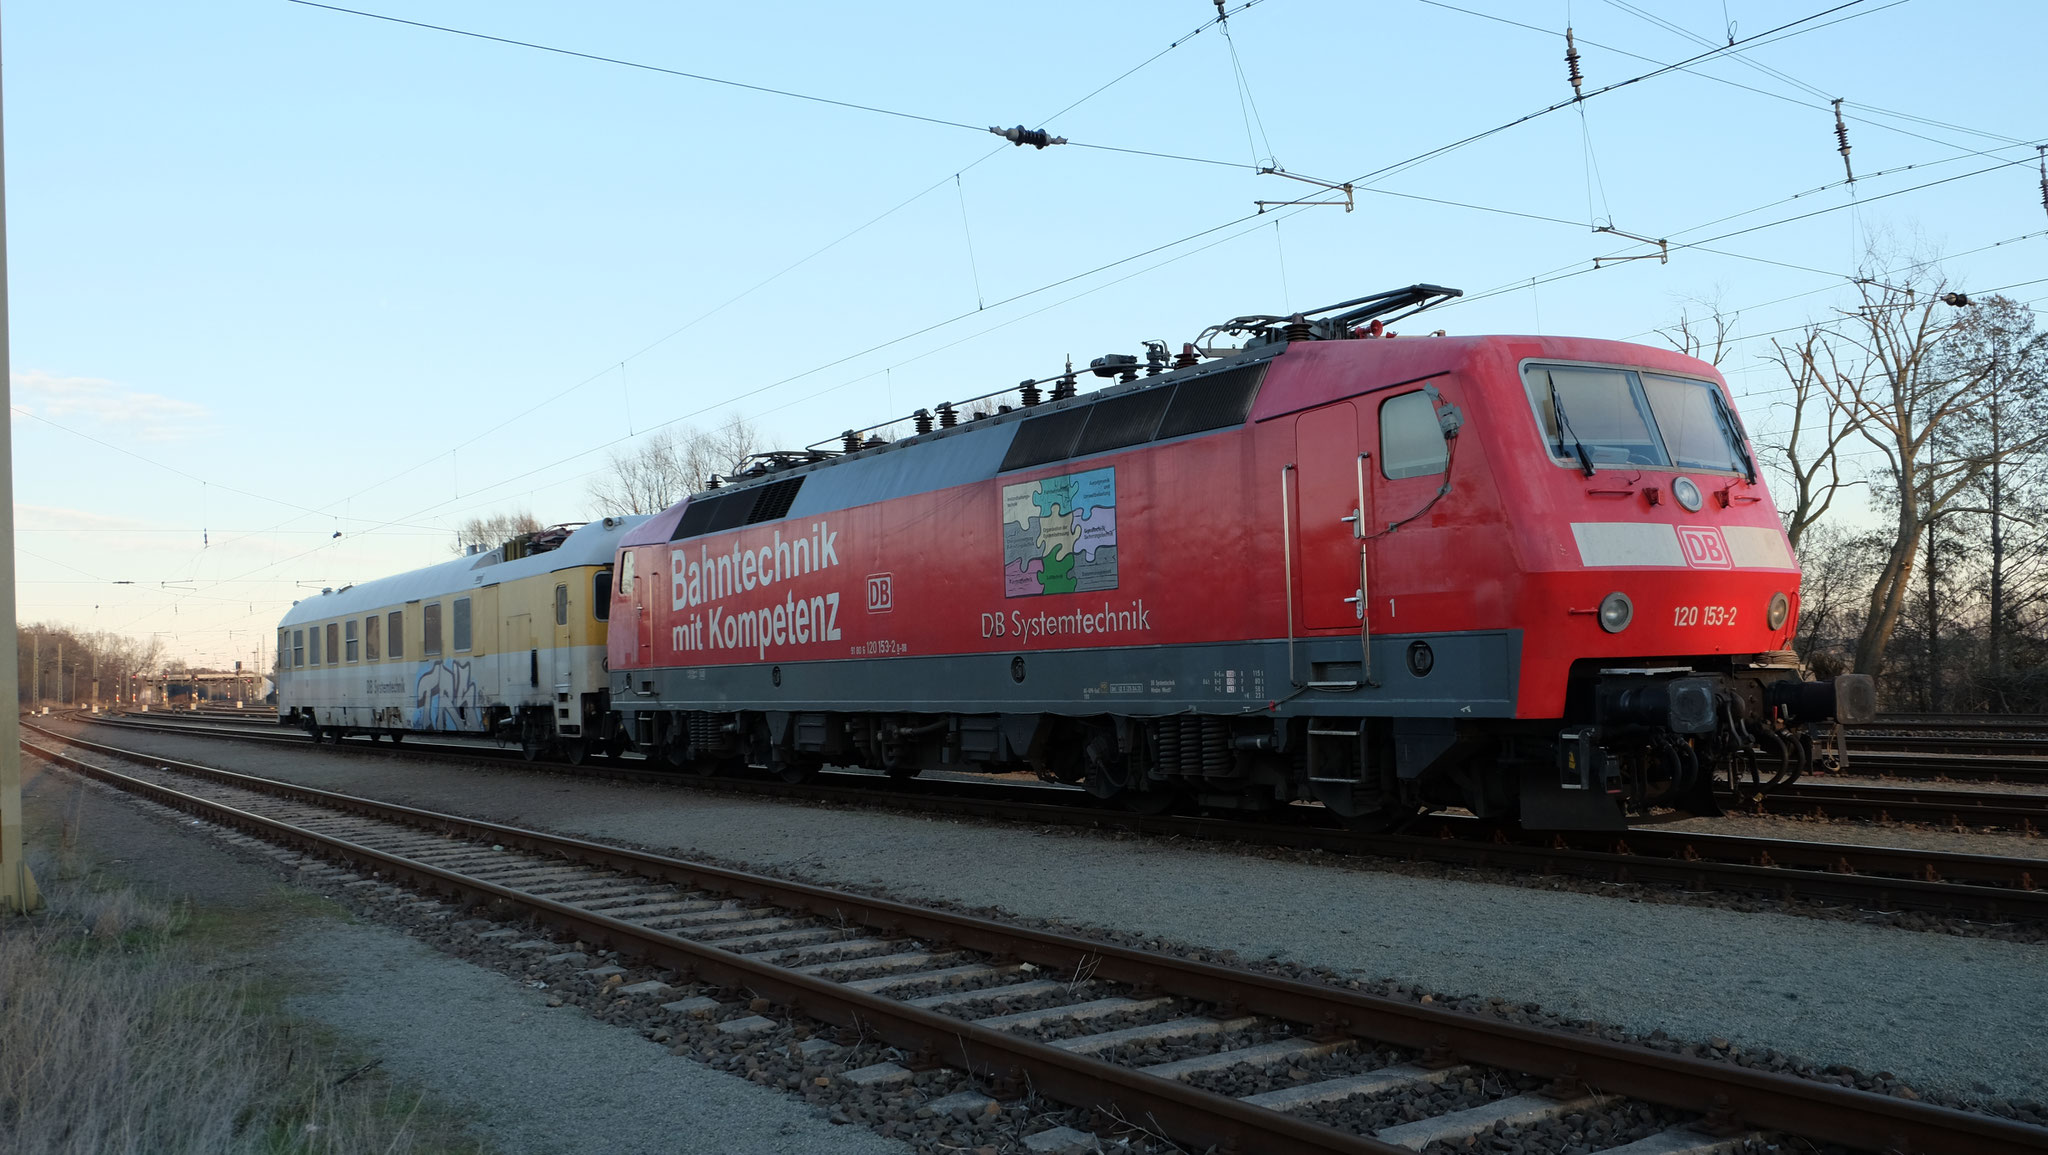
(1534,576)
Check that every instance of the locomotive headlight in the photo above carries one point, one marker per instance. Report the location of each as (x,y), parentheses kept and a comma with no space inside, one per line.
(1781,608)
(1687,494)
(1616,612)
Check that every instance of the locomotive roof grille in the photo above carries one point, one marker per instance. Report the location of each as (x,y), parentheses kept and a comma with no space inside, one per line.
(749,506)
(1121,421)
(1047,438)
(1103,423)
(1194,400)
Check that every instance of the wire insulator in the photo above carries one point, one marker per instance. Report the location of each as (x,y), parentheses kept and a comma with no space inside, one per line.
(2041,152)
(1064,387)
(1021,136)
(1297,329)
(1571,59)
(850,441)
(922,419)
(1028,392)
(947,418)
(1842,139)
(1187,358)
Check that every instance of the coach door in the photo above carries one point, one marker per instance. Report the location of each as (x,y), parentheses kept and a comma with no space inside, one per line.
(568,717)
(1327,559)
(522,653)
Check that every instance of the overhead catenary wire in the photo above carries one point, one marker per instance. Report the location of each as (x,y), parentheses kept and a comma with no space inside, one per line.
(1508,212)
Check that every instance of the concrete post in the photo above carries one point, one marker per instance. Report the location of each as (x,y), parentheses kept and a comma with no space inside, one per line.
(17,889)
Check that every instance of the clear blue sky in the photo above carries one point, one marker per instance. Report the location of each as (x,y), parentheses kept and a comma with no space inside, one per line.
(278,271)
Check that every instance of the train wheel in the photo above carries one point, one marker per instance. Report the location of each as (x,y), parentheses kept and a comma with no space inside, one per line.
(529,742)
(314,733)
(397,737)
(576,751)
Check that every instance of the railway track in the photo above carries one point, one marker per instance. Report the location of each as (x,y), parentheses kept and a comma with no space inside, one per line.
(1928,766)
(2025,814)
(1975,887)
(985,998)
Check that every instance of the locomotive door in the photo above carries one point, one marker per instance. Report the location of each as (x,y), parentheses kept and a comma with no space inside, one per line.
(1402,484)
(643,613)
(1325,512)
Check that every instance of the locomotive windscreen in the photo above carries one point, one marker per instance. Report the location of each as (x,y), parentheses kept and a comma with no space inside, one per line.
(1622,417)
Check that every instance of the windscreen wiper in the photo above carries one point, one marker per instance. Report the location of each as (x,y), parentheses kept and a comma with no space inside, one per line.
(1735,437)
(1564,426)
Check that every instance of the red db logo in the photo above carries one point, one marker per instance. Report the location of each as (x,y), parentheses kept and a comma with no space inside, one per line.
(1704,547)
(881,593)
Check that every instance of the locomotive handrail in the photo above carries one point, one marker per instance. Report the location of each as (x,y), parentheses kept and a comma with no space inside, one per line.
(1364,604)
(1287,560)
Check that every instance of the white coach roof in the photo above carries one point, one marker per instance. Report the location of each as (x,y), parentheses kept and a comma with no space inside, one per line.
(592,543)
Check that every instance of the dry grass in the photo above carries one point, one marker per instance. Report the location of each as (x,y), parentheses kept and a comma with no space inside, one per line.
(117,1037)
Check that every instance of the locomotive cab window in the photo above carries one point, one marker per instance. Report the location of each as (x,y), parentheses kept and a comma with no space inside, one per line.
(397,633)
(370,635)
(348,637)
(1411,442)
(430,627)
(461,625)
(1620,417)
(1697,428)
(601,595)
(626,574)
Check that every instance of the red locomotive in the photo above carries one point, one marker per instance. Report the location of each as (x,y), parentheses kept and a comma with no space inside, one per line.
(1521,575)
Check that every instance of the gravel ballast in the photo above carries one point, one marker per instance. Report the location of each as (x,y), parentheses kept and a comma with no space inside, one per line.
(533,1079)
(1953,1014)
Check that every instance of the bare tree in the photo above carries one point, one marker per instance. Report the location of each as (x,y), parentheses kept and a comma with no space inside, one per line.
(1692,337)
(1997,337)
(1810,452)
(1904,396)
(494,529)
(670,465)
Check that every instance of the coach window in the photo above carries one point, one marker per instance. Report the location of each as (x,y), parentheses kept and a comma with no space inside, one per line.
(601,595)
(284,649)
(461,625)
(430,627)
(299,648)
(397,633)
(313,652)
(348,638)
(370,632)
(1411,442)
(562,605)
(333,643)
